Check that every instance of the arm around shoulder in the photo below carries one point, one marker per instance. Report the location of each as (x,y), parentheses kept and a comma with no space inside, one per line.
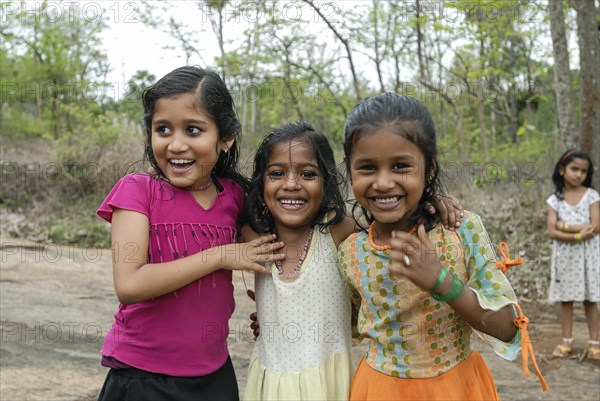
(343,229)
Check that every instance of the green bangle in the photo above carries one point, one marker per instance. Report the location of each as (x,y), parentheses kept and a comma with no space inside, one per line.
(577,237)
(440,279)
(453,293)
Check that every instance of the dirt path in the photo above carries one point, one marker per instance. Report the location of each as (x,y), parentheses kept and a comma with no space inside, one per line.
(57,302)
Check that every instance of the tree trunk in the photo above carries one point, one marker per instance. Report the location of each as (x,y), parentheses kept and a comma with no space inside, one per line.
(513,117)
(493,127)
(481,117)
(568,135)
(589,53)
(420,42)
(481,105)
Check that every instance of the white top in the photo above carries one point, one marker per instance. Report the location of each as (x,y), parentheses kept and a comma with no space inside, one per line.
(305,330)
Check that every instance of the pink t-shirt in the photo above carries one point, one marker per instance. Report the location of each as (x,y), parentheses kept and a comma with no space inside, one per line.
(182,333)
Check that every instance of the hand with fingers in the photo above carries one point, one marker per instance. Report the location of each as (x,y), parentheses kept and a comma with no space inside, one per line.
(255,325)
(415,258)
(251,255)
(450,209)
(587,233)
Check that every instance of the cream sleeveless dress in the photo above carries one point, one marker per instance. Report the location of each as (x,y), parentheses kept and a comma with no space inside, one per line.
(303,351)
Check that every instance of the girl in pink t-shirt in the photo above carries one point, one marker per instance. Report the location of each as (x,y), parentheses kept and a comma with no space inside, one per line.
(173,242)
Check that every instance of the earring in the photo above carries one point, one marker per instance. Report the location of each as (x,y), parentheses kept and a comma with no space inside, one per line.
(226,148)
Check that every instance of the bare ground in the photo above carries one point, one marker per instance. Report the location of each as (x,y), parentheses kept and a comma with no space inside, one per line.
(56,303)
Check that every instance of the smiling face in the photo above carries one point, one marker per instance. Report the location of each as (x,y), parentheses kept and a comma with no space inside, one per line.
(575,172)
(388,177)
(293,186)
(185,141)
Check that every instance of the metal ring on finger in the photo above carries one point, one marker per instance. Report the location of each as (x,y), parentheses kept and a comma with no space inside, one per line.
(405,260)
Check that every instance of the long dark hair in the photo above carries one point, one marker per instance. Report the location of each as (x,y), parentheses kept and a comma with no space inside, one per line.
(410,119)
(214,98)
(565,159)
(260,219)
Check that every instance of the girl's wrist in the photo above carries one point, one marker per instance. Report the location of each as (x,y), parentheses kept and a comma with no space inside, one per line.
(440,279)
(447,293)
(577,237)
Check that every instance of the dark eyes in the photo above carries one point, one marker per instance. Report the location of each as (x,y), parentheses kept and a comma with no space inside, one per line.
(162,130)
(276,174)
(397,167)
(366,167)
(400,166)
(309,175)
(192,131)
(306,175)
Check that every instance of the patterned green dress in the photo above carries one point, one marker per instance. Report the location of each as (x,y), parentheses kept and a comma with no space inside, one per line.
(411,334)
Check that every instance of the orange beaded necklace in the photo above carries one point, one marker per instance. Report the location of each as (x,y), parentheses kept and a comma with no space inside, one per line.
(387,246)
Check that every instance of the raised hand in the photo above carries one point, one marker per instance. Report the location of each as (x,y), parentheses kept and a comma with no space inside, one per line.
(415,258)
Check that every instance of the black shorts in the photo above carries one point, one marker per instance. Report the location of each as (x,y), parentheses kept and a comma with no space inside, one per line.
(139,385)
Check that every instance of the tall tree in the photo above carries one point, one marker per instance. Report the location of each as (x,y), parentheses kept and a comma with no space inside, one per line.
(589,63)
(568,136)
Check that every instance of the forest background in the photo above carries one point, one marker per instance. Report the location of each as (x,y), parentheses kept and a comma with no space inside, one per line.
(510,84)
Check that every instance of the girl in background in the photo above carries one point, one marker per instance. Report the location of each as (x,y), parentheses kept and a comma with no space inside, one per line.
(419,288)
(573,224)
(173,242)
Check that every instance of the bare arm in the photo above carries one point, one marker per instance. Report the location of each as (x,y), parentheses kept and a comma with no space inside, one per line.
(343,229)
(499,324)
(595,216)
(567,228)
(136,280)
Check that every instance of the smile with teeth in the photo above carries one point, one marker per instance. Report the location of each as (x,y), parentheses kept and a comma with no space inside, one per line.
(388,200)
(292,202)
(181,164)
(181,161)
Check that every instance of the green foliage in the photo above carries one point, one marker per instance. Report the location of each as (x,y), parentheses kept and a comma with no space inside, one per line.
(84,231)
(50,66)
(284,69)
(524,164)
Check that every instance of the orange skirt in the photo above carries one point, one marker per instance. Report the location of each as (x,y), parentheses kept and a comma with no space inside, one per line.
(469,380)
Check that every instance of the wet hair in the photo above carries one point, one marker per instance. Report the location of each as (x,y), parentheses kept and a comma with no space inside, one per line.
(213,98)
(409,118)
(563,162)
(260,218)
